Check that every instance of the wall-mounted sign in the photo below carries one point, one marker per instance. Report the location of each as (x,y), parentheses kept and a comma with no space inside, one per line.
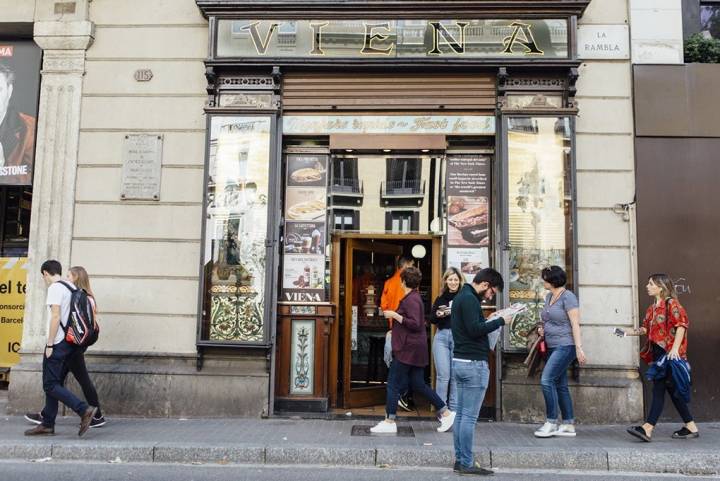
(141,172)
(13,275)
(603,42)
(461,38)
(388,124)
(143,75)
(19,85)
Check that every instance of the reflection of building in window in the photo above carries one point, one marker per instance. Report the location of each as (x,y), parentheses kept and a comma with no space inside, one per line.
(345,175)
(710,18)
(403,176)
(402,221)
(346,219)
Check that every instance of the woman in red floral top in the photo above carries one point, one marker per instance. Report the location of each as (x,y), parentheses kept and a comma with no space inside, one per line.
(665,325)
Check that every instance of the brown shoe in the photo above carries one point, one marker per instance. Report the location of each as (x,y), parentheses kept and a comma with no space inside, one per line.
(40,430)
(86,419)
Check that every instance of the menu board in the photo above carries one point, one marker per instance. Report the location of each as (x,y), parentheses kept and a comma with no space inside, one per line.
(305,228)
(468,201)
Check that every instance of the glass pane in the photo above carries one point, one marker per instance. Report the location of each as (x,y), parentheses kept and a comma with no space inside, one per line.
(393,38)
(236,229)
(368,336)
(710,19)
(540,210)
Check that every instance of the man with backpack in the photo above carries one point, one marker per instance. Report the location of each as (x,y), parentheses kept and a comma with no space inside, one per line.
(64,317)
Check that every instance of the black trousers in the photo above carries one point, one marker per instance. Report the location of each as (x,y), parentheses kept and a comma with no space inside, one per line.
(658,396)
(75,364)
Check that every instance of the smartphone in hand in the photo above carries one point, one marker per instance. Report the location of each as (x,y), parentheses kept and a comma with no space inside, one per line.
(619,332)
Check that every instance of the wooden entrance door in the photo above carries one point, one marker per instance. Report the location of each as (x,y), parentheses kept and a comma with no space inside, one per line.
(364,373)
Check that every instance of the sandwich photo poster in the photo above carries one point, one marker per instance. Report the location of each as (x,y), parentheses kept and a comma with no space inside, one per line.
(305,232)
(468,215)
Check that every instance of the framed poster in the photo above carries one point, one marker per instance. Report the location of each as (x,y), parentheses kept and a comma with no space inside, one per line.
(20,63)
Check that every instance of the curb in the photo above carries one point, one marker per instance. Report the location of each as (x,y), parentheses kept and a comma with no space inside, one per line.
(698,462)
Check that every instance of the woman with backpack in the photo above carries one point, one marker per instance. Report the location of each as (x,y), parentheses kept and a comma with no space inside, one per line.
(79,277)
(665,326)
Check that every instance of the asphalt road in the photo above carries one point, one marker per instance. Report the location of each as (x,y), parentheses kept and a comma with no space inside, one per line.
(72,471)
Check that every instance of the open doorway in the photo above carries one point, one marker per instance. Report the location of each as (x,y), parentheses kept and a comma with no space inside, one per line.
(364,264)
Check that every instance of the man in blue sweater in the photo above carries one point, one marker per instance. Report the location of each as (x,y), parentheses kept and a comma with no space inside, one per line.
(470,362)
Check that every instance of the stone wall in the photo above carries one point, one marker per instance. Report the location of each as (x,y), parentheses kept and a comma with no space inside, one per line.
(143,256)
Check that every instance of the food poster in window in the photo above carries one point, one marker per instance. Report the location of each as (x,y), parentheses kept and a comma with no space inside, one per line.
(236,227)
(19,90)
(304,238)
(303,278)
(468,213)
(305,235)
(306,203)
(469,260)
(539,212)
(305,170)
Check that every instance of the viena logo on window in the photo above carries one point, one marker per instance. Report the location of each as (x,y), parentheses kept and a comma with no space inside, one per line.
(393,38)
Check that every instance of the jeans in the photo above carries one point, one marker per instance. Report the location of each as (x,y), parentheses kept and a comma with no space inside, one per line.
(55,369)
(472,382)
(442,351)
(658,396)
(400,376)
(554,382)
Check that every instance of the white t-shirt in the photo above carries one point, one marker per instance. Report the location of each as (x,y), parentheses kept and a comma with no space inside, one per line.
(59,295)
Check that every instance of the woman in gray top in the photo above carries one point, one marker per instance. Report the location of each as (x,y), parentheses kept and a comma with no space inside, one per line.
(561,327)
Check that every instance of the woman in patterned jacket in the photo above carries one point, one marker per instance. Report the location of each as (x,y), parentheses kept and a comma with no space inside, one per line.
(665,326)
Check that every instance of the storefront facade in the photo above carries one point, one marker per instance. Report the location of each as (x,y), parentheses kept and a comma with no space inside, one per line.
(297,151)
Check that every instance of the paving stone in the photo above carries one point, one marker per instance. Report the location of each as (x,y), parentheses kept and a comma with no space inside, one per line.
(209,454)
(549,458)
(424,456)
(681,460)
(320,455)
(103,452)
(25,451)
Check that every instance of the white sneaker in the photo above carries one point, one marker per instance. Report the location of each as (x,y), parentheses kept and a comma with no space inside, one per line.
(446,422)
(384,427)
(566,430)
(547,430)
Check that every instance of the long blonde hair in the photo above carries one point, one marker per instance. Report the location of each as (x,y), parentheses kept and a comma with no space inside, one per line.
(452,271)
(82,280)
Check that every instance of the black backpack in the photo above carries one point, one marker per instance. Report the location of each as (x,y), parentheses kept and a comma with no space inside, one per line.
(81,328)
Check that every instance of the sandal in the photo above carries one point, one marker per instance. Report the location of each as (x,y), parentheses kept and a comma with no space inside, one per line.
(639,432)
(685,433)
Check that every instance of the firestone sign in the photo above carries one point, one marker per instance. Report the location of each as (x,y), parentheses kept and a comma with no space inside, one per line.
(393,38)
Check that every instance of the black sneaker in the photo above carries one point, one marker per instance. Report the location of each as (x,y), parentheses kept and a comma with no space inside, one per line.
(685,433)
(404,404)
(35,418)
(474,470)
(456,467)
(98,422)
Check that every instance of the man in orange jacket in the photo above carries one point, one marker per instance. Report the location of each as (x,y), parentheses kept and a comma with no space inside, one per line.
(392,294)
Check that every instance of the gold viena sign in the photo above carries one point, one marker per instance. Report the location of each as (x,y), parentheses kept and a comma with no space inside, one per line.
(392,38)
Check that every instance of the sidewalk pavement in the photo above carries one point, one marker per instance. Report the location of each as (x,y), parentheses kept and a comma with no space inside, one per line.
(329,442)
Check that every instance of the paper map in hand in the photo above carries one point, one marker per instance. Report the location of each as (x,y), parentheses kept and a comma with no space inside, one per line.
(509,312)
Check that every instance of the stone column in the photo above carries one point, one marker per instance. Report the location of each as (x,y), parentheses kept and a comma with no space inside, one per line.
(64,45)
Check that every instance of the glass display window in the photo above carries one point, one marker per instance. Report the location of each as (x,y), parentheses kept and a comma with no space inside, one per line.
(540,212)
(236,230)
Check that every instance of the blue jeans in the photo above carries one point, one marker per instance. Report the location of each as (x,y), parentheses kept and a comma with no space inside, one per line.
(401,375)
(472,382)
(55,369)
(442,351)
(554,382)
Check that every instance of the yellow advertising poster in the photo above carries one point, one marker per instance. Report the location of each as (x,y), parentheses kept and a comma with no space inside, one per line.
(13,276)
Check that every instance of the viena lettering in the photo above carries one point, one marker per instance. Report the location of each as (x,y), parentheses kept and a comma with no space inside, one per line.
(377,38)
(302,297)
